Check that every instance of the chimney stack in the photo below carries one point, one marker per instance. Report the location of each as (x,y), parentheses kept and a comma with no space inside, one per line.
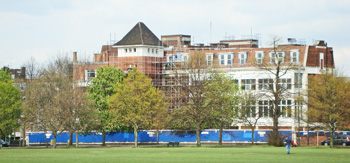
(74,57)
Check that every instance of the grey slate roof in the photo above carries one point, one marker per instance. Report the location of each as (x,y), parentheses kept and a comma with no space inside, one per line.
(140,35)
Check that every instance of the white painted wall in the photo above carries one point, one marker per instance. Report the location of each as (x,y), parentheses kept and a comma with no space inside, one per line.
(141,51)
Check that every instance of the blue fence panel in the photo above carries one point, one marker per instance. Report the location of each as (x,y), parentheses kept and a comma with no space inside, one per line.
(177,136)
(164,136)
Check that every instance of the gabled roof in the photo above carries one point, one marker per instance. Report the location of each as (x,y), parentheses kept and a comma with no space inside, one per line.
(140,35)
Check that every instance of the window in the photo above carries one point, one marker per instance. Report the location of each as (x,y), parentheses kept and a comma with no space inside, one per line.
(298,112)
(209,59)
(130,50)
(285,83)
(265,84)
(249,109)
(185,59)
(152,50)
(221,59)
(248,84)
(265,108)
(259,57)
(321,61)
(298,82)
(225,58)
(126,50)
(134,49)
(149,50)
(294,56)
(89,74)
(171,59)
(242,57)
(156,51)
(285,108)
(279,56)
(229,59)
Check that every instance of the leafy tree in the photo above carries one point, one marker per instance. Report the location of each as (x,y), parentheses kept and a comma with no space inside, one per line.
(328,99)
(100,90)
(224,93)
(137,102)
(10,101)
(202,98)
(247,111)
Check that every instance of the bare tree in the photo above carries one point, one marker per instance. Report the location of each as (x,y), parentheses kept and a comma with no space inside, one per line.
(275,89)
(45,94)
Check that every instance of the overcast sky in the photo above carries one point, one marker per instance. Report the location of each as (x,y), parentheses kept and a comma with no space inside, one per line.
(44,29)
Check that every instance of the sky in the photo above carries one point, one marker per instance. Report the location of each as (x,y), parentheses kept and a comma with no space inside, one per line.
(44,29)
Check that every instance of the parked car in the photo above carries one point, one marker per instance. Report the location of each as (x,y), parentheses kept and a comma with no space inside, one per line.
(338,140)
(4,143)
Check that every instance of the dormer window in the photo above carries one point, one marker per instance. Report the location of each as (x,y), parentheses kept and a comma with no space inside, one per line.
(294,56)
(242,57)
(259,57)
(229,58)
(277,57)
(222,59)
(209,58)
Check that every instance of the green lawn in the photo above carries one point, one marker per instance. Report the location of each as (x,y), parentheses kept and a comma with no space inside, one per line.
(177,154)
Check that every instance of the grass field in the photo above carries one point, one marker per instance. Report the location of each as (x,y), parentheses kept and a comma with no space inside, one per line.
(177,154)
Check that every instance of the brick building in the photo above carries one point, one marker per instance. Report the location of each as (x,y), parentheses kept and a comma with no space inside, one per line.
(140,48)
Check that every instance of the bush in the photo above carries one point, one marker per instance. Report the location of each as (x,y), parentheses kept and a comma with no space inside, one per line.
(276,140)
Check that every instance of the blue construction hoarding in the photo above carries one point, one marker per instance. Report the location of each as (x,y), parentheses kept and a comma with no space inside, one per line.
(164,136)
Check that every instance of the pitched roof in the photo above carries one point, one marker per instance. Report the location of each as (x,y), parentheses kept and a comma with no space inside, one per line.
(140,35)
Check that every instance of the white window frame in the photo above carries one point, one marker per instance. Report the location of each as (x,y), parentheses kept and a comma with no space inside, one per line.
(209,59)
(285,108)
(281,57)
(248,84)
(221,59)
(322,66)
(171,58)
(227,61)
(294,59)
(259,60)
(285,83)
(242,58)
(87,74)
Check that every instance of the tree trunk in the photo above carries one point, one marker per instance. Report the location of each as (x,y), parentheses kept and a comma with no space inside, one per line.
(70,138)
(253,135)
(275,131)
(24,135)
(198,132)
(54,140)
(103,138)
(220,135)
(332,138)
(136,136)
(308,137)
(76,139)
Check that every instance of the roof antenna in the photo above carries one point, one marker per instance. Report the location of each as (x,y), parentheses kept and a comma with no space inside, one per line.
(210,34)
